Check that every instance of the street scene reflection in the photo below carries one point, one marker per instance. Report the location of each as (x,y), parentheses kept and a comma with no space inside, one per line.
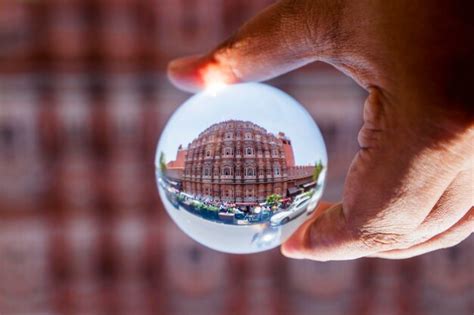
(243,162)
(236,172)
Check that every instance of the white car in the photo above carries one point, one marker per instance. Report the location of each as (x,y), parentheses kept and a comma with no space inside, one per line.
(300,197)
(297,208)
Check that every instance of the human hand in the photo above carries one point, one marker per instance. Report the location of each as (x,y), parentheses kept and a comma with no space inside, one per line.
(410,188)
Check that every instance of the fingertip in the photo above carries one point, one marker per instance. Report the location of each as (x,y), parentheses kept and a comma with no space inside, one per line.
(291,249)
(185,73)
(195,73)
(296,246)
(325,237)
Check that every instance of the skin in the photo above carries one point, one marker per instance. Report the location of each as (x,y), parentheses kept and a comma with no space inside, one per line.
(409,189)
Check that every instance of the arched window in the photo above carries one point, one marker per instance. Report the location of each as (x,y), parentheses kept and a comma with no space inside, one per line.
(248,135)
(249,171)
(227,151)
(227,171)
(207,171)
(249,151)
(208,153)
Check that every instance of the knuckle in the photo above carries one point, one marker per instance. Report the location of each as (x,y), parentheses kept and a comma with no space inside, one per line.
(374,120)
(369,137)
(385,241)
(382,237)
(380,227)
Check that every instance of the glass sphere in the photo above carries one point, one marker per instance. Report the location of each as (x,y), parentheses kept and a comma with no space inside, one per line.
(239,169)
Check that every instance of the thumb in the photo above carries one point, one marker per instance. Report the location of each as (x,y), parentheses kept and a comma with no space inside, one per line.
(318,238)
(285,36)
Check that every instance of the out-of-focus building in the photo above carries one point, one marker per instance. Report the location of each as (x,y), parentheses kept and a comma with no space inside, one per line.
(83,100)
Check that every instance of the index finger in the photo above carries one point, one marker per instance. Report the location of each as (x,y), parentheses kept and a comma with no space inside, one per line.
(285,36)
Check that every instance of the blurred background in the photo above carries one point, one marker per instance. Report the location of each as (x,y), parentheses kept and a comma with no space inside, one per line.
(83,99)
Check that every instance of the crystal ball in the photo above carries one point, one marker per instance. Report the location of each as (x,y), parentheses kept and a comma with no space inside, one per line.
(239,169)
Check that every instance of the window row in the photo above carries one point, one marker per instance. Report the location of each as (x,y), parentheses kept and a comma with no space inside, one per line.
(231,135)
(247,136)
(230,152)
(247,171)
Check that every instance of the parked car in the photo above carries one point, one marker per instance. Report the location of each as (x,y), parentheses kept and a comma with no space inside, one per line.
(302,196)
(296,209)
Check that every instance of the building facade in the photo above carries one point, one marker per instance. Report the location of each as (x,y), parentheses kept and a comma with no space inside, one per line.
(235,161)
(238,161)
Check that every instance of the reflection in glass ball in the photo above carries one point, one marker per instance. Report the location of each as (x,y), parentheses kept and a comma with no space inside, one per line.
(241,168)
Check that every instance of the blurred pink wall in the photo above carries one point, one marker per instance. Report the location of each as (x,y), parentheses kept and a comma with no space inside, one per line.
(83,98)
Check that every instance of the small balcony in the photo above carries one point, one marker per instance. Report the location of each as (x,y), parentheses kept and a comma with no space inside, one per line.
(227,177)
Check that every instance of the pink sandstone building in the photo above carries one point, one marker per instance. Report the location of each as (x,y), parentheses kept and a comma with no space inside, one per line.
(238,161)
